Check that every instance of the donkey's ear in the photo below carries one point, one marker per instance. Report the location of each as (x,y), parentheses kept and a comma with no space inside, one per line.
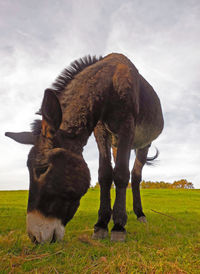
(22,137)
(51,113)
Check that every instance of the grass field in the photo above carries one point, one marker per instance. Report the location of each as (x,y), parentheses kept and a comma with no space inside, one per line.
(167,244)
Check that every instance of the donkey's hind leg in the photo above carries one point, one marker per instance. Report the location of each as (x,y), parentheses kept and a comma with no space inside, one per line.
(105,180)
(136,176)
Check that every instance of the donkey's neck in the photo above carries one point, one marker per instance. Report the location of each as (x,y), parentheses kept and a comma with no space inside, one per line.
(81,113)
(83,102)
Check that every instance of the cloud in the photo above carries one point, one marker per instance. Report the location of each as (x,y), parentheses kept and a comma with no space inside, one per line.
(160,37)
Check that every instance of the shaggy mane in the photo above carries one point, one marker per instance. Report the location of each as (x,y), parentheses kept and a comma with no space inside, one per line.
(63,80)
(69,73)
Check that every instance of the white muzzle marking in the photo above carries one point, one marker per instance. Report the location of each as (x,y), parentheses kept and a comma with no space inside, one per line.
(43,229)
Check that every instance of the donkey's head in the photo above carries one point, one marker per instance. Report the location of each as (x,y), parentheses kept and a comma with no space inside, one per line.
(58,177)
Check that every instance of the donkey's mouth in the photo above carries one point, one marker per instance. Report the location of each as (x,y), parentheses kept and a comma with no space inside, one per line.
(34,240)
(43,229)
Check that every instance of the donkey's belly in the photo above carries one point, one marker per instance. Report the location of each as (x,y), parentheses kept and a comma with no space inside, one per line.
(144,135)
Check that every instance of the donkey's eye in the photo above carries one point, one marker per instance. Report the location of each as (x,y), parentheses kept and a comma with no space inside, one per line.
(40,170)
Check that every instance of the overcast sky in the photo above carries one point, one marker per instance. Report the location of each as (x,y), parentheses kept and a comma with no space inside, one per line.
(162,38)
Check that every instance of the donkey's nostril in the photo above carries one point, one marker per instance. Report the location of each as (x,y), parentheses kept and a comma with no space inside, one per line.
(33,238)
(53,240)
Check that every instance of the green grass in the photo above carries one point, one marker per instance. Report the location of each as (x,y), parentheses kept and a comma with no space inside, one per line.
(169,243)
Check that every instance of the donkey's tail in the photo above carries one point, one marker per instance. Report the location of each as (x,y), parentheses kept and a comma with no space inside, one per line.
(150,159)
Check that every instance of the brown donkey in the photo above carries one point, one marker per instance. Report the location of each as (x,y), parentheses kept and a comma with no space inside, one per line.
(107,96)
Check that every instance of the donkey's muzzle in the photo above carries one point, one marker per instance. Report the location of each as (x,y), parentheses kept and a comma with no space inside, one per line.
(43,229)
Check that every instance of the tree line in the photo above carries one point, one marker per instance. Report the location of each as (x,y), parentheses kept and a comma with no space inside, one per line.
(180,184)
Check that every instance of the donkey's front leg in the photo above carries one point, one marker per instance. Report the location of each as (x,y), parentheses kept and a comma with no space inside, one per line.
(121,179)
(105,180)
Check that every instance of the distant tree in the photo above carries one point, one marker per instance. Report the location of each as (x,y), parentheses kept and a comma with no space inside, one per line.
(190,185)
(153,185)
(183,183)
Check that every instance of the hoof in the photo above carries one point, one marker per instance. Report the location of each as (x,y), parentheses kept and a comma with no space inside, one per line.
(142,219)
(99,234)
(118,236)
